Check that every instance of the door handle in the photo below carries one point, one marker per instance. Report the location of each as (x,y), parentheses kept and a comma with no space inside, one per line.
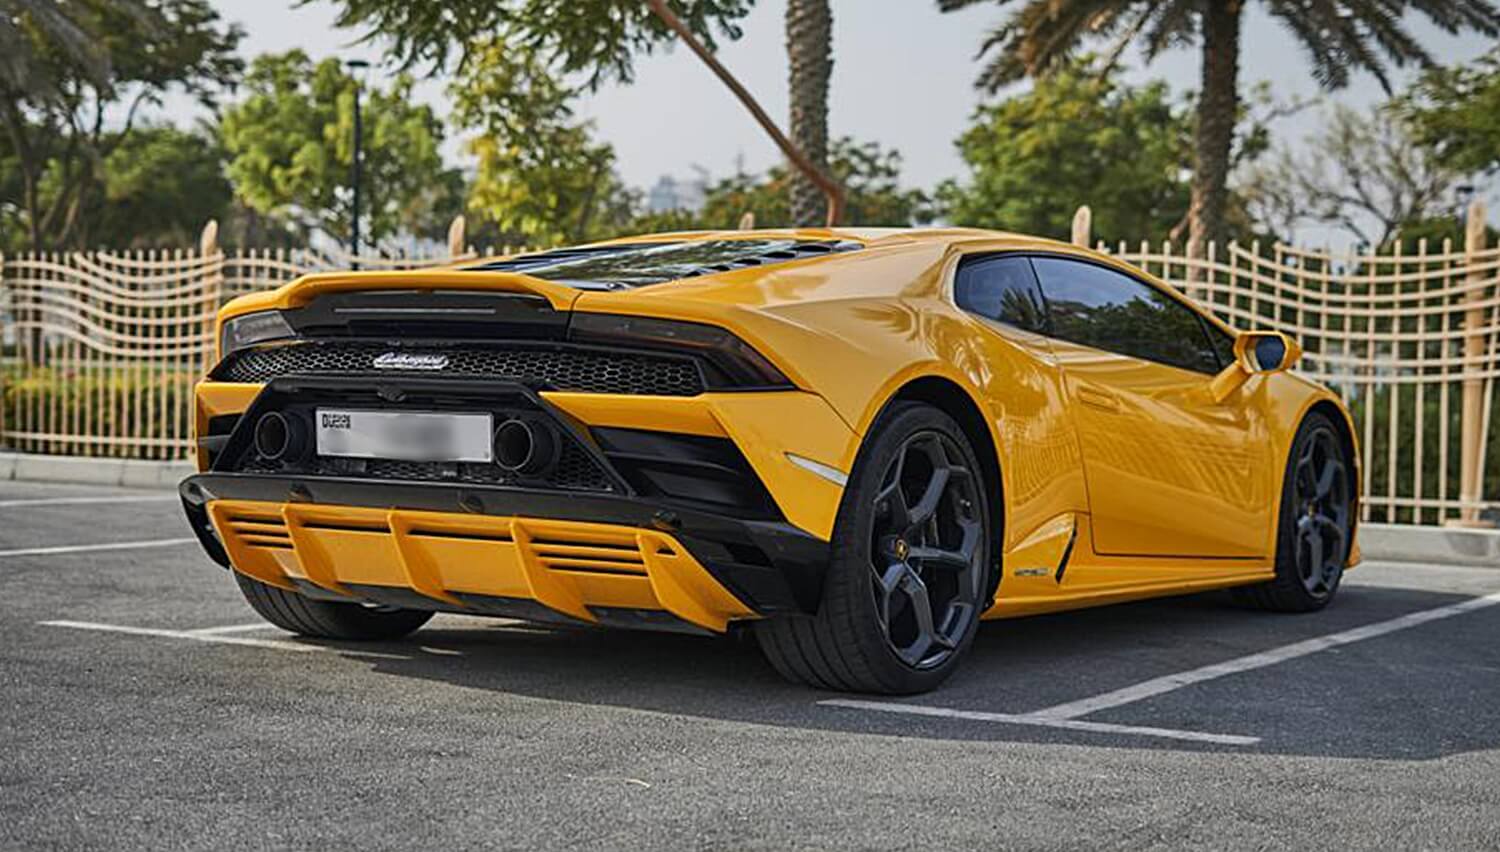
(1096,398)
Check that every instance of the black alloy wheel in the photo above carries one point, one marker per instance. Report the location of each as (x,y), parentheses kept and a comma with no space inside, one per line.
(1321,488)
(925,554)
(1316,523)
(911,568)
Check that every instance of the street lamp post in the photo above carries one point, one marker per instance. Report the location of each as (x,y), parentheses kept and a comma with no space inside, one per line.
(357,66)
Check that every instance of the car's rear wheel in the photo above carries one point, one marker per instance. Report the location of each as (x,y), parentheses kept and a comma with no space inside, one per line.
(1313,538)
(910,567)
(327,619)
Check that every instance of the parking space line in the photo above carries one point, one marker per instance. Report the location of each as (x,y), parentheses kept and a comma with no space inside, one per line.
(216,638)
(232,628)
(90,548)
(1034,720)
(195,636)
(82,501)
(1250,662)
(1068,716)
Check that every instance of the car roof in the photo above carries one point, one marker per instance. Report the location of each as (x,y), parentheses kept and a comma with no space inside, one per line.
(869,236)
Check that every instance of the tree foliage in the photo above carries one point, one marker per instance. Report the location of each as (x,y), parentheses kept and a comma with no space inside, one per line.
(597,39)
(1077,137)
(67,67)
(1456,112)
(1360,172)
(161,184)
(290,143)
(542,178)
(1340,37)
(869,174)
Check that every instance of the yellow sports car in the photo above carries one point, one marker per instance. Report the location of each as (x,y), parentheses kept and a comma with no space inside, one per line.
(856,443)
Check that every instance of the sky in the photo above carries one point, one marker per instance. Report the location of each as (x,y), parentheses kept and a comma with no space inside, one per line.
(903,76)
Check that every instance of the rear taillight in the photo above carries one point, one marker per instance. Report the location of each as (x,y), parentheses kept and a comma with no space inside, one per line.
(734,363)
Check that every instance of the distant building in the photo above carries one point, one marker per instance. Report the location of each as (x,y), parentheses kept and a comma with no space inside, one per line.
(672,193)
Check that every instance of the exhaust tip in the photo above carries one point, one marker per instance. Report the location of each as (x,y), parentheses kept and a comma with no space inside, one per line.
(278,438)
(524,447)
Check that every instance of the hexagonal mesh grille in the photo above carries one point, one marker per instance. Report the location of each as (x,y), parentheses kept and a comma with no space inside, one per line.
(574,471)
(587,371)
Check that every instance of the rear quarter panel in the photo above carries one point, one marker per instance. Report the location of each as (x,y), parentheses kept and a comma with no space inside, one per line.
(857,328)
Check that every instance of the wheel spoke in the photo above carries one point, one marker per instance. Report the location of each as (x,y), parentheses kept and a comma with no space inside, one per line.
(937,557)
(927,506)
(886,584)
(1332,473)
(893,499)
(1310,533)
(957,559)
(1305,479)
(921,604)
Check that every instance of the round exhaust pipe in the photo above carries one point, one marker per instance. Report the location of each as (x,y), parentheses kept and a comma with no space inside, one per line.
(525,446)
(279,438)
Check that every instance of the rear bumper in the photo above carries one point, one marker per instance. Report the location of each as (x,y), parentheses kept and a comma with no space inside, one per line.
(532,554)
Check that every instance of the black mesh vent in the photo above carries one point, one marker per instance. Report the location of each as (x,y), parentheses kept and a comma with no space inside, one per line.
(589,371)
(574,471)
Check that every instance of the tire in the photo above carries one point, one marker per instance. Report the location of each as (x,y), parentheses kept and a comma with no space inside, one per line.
(1314,527)
(868,635)
(327,619)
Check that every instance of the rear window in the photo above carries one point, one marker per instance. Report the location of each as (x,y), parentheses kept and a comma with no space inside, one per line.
(639,264)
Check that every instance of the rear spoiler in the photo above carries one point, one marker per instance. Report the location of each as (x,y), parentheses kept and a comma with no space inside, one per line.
(303,290)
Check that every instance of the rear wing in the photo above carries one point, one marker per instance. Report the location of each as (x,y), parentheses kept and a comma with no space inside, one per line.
(299,292)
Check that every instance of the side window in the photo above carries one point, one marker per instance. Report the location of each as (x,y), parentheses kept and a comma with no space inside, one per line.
(1001,288)
(1222,343)
(1099,307)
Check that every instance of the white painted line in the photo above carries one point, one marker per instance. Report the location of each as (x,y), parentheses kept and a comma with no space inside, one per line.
(441,652)
(1035,720)
(276,644)
(1172,682)
(92,548)
(221,639)
(232,628)
(81,501)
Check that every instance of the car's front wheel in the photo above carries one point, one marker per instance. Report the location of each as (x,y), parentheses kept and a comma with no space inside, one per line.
(1316,520)
(327,619)
(910,567)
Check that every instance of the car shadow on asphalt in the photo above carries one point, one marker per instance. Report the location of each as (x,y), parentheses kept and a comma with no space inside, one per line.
(1416,694)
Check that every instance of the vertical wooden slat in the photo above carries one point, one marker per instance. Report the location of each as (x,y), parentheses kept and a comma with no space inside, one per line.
(1371,384)
(1393,424)
(54,355)
(32,335)
(1445,371)
(1419,444)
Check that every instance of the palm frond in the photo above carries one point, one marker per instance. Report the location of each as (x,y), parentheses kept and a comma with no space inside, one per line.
(1043,34)
(1342,36)
(22,69)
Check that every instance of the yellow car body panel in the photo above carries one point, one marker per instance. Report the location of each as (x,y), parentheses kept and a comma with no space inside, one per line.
(1077,434)
(565,566)
(757,423)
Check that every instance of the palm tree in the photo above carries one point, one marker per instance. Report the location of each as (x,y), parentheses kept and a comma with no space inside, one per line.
(809,48)
(812,43)
(1340,37)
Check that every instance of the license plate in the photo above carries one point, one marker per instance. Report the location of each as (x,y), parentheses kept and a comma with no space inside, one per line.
(405,435)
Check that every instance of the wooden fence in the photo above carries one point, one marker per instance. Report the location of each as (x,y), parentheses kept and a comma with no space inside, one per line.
(100,351)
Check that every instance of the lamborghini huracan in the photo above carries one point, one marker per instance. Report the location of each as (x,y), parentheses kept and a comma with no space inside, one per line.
(854,443)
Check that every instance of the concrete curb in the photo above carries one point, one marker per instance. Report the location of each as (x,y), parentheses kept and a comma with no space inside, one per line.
(83,470)
(1441,545)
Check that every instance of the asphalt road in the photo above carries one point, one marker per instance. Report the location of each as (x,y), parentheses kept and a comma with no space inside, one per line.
(126,725)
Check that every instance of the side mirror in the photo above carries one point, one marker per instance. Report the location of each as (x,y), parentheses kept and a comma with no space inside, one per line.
(1266,351)
(1255,352)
